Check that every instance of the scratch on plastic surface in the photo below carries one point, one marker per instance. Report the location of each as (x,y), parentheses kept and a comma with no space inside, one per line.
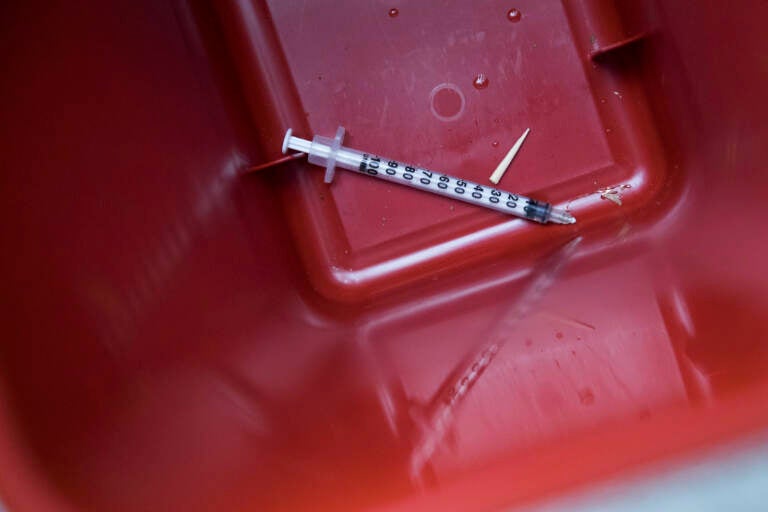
(567,320)
(384,111)
(624,230)
(439,419)
(302,16)
(517,67)
(605,363)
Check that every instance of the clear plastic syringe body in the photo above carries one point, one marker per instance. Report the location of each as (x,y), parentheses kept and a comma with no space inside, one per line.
(329,153)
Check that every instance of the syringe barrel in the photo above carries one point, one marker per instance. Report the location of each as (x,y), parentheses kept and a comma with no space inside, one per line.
(442,184)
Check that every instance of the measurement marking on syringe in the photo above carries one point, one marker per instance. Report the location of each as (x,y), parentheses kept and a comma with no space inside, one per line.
(371,164)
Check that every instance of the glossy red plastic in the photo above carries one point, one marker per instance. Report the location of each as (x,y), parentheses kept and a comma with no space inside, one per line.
(193,322)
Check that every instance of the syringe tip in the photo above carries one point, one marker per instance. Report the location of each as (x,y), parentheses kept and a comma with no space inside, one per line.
(559,216)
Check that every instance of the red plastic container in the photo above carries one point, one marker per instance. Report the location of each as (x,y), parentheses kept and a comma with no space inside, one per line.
(183,332)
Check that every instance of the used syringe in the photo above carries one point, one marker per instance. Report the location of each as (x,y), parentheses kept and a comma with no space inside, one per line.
(329,153)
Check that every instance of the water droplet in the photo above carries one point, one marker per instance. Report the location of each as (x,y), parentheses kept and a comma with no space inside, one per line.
(495,143)
(514,15)
(393,12)
(559,335)
(480,81)
(586,396)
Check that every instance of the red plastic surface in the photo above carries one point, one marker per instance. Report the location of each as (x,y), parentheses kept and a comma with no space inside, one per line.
(176,338)
(366,238)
